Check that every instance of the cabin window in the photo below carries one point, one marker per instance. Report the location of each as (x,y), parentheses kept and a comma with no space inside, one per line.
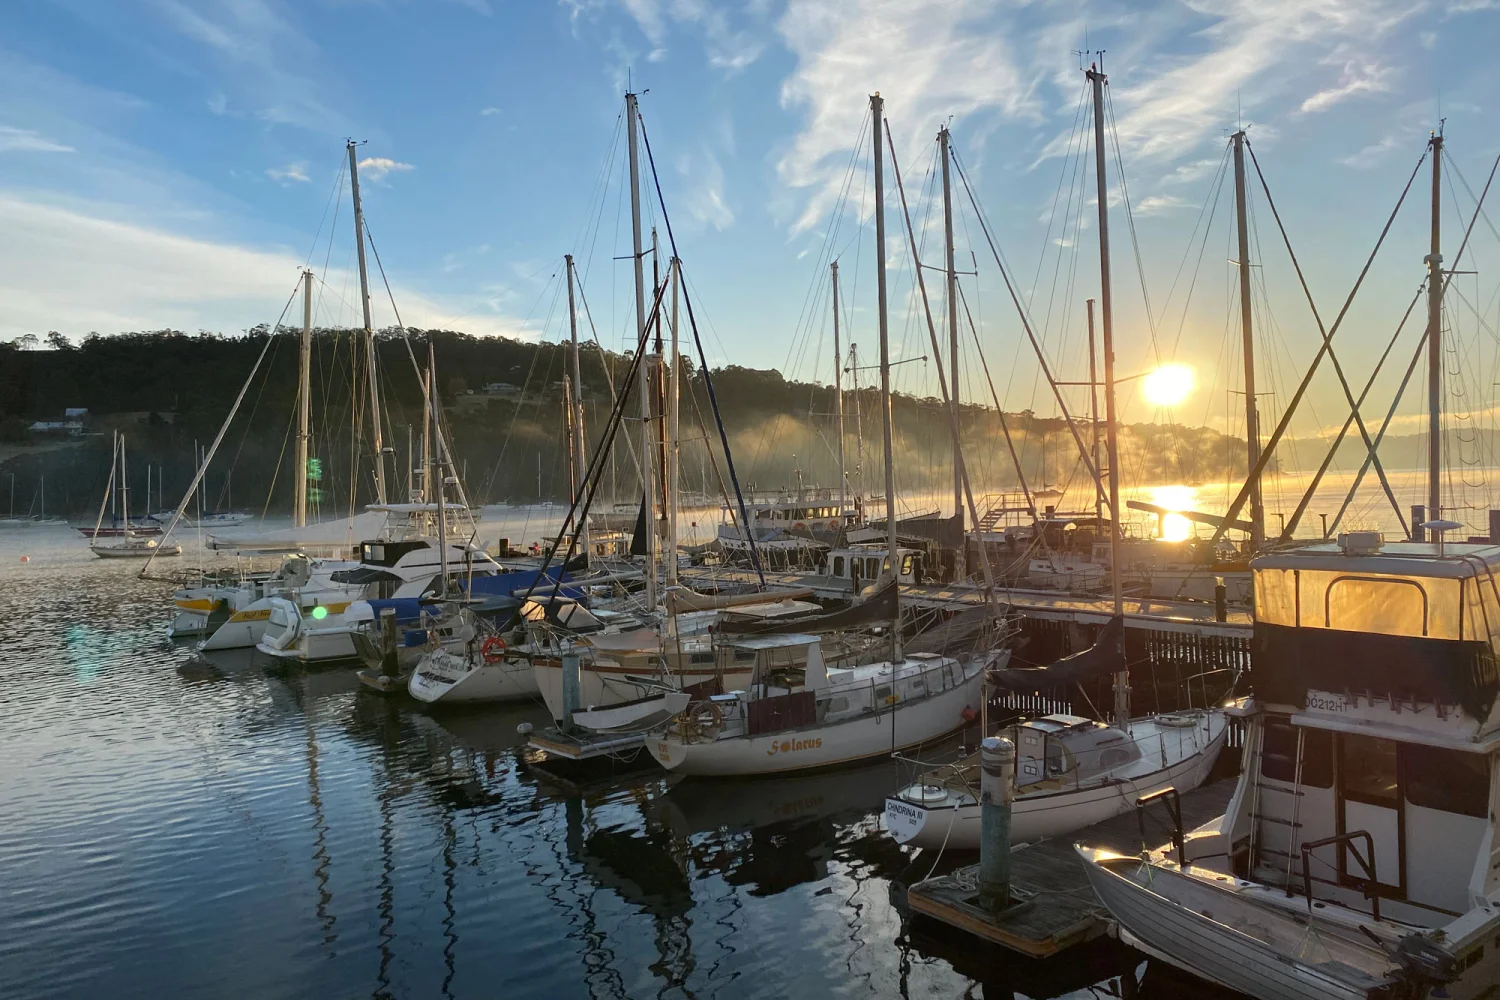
(744,654)
(702,658)
(837,705)
(872,568)
(1369,604)
(1368,770)
(838,565)
(1113,756)
(882,693)
(885,564)
(1279,755)
(906,565)
(1055,762)
(1450,781)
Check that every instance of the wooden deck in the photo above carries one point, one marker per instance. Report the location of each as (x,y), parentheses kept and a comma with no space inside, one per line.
(1053,908)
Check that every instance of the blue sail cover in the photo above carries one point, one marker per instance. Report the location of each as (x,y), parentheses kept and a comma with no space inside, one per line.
(507,583)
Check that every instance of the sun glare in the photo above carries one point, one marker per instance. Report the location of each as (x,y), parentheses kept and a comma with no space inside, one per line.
(1168,385)
(1174,527)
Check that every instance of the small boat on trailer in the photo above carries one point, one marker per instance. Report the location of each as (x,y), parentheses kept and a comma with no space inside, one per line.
(1360,855)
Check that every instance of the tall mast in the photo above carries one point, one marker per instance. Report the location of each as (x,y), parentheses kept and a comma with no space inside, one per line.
(364,301)
(1252,415)
(1111,429)
(643,387)
(1435,341)
(580,459)
(673,371)
(1094,414)
(304,405)
(838,391)
(859,420)
(952,296)
(124,488)
(877,114)
(437,461)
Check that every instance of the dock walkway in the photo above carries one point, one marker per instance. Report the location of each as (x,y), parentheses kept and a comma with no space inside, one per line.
(1053,907)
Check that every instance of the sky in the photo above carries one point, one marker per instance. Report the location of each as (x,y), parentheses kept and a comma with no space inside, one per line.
(174,163)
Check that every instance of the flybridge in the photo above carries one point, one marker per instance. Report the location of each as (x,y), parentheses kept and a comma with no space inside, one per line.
(1402,635)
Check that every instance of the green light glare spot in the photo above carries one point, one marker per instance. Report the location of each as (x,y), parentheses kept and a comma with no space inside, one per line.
(320,612)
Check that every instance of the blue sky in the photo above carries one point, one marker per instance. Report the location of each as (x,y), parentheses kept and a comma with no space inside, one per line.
(171,162)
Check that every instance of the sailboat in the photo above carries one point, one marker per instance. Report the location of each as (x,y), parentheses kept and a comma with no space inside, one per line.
(796,712)
(1357,858)
(130,545)
(1072,771)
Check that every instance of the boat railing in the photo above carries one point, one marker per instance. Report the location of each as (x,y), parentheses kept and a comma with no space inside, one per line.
(1071,770)
(1370,884)
(1173,802)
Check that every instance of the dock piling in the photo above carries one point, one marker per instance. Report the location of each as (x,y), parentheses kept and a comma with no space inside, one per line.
(997,790)
(572,689)
(388,665)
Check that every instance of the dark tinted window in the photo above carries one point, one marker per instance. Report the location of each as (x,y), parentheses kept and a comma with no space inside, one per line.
(1367,769)
(1279,755)
(1450,780)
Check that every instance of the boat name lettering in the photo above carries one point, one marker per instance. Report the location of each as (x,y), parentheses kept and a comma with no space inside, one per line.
(792,746)
(903,809)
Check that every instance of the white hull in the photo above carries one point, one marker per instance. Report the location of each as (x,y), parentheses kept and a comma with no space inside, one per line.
(445,678)
(1052,813)
(1213,950)
(603,687)
(874,735)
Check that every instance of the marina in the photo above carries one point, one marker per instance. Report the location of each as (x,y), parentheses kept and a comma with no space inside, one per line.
(948,654)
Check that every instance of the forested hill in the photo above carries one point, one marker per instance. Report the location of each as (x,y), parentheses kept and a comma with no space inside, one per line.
(167,391)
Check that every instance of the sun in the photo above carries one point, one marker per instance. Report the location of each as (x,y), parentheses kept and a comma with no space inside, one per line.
(1168,385)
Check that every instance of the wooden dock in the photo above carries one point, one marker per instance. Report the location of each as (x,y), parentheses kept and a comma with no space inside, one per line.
(1052,907)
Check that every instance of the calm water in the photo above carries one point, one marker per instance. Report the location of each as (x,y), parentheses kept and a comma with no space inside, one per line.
(174,827)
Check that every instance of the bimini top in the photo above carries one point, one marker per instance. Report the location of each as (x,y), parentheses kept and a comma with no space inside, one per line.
(786,641)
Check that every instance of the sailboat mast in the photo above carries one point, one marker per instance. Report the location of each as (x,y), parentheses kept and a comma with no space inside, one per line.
(643,387)
(674,390)
(580,457)
(304,405)
(1247,336)
(838,391)
(1094,414)
(437,462)
(877,114)
(1111,426)
(952,296)
(1435,341)
(364,301)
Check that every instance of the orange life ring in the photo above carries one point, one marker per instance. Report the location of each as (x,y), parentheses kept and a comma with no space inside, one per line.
(833,524)
(798,526)
(493,649)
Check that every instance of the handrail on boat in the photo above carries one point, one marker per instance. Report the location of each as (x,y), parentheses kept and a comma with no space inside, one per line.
(1367,862)
(1174,809)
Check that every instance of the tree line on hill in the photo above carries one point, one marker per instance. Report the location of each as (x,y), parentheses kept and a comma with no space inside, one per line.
(169,392)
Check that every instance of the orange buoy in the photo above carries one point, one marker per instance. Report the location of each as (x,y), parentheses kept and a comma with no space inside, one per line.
(26,559)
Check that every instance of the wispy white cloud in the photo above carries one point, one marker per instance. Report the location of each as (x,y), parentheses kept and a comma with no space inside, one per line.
(1355,78)
(936,58)
(1157,203)
(292,172)
(487,112)
(25,140)
(705,200)
(1372,154)
(148,278)
(378,168)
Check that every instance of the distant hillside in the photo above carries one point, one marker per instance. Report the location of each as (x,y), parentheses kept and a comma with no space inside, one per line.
(168,390)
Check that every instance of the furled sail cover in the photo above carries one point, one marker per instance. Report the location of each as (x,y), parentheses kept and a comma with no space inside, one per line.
(1105,656)
(878,607)
(1286,661)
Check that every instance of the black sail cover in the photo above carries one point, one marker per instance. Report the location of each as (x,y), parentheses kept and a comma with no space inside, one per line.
(878,607)
(1105,656)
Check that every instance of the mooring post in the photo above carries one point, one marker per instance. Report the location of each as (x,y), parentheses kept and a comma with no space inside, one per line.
(997,790)
(388,665)
(1221,600)
(572,689)
(1418,518)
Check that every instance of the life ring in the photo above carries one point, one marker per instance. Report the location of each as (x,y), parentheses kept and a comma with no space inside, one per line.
(833,524)
(701,721)
(799,526)
(493,650)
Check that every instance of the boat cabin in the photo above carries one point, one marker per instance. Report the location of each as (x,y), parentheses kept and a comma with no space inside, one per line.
(862,565)
(1068,748)
(1374,731)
